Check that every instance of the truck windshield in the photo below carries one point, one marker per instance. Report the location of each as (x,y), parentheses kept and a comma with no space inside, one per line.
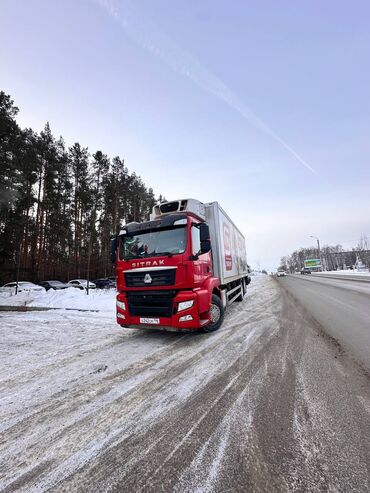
(169,241)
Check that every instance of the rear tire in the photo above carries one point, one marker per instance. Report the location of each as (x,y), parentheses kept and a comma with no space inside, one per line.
(217,314)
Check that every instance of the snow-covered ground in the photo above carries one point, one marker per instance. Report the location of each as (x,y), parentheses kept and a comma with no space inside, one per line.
(97,299)
(88,406)
(73,383)
(348,272)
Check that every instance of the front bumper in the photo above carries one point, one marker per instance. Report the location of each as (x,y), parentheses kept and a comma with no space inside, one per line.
(173,321)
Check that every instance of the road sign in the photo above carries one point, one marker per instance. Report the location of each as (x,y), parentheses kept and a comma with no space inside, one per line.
(312,263)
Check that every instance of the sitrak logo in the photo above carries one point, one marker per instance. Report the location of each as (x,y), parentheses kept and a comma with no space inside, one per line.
(147,279)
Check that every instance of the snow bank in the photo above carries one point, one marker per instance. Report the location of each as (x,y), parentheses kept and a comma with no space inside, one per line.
(347,272)
(98,299)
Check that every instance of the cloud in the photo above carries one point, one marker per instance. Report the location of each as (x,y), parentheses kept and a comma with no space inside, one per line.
(147,35)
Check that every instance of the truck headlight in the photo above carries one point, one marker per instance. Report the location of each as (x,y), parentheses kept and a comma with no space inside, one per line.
(120,315)
(121,304)
(184,305)
(185,318)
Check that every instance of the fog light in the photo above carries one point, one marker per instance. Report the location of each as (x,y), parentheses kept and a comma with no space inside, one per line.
(186,318)
(120,315)
(122,305)
(184,305)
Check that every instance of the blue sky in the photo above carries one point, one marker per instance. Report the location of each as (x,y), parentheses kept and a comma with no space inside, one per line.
(227,101)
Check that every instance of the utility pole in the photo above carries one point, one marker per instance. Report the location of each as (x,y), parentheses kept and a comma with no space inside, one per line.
(319,251)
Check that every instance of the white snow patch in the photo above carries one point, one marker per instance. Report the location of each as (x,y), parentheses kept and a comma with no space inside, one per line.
(347,272)
(97,299)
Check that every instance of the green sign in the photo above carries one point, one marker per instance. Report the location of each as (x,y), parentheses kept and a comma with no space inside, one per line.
(312,262)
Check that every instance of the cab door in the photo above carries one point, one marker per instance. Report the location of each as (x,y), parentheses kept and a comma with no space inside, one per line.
(201,262)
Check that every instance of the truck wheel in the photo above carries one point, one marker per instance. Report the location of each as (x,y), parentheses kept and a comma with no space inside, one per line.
(217,314)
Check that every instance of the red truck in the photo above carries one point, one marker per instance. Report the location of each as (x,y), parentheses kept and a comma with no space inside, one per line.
(180,269)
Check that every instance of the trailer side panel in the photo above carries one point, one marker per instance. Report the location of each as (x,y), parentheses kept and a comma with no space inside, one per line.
(228,245)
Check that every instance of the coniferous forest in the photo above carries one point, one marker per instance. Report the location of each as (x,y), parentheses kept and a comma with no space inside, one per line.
(59,205)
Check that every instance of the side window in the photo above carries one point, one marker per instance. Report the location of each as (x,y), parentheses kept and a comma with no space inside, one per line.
(195,240)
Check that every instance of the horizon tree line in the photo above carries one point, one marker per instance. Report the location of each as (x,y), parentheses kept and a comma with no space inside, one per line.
(333,257)
(60,205)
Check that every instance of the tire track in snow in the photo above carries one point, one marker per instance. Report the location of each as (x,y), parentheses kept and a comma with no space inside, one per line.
(76,443)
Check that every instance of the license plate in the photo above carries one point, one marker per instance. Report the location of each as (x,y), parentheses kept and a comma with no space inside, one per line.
(149,320)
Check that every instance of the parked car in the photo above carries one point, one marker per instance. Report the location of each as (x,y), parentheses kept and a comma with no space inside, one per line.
(53,285)
(81,284)
(281,273)
(105,283)
(10,287)
(305,270)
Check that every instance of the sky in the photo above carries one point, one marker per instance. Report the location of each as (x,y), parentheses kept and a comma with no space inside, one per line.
(260,105)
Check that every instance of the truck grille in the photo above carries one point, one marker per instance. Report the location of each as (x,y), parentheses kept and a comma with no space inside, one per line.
(165,277)
(150,304)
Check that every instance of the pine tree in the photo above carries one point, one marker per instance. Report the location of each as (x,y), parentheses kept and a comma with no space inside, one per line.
(81,203)
(58,208)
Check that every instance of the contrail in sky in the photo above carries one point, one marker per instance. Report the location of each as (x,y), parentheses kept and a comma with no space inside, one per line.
(147,35)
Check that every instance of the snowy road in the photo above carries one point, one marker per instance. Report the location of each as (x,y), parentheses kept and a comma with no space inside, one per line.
(267,403)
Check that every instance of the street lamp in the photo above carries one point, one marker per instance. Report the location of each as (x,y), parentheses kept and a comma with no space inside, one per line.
(318,248)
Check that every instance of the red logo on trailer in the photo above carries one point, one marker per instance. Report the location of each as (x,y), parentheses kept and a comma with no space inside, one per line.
(227,246)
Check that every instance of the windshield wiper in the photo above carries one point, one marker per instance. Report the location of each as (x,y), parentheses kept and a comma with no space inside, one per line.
(161,254)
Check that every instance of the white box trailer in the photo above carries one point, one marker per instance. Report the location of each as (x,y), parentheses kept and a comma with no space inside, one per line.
(228,245)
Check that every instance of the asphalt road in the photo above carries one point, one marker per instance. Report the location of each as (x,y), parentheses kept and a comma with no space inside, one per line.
(341,305)
(269,403)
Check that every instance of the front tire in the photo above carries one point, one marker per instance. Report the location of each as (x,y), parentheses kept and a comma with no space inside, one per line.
(217,314)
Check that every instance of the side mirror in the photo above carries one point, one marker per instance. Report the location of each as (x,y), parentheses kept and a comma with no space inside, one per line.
(205,246)
(204,231)
(113,250)
(205,242)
